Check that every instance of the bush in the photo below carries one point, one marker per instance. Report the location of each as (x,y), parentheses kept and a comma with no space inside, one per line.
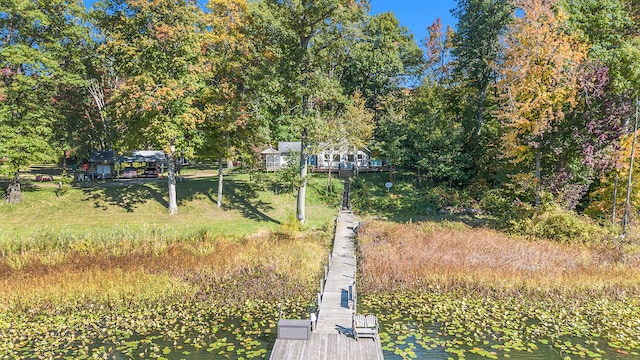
(259,180)
(442,196)
(554,223)
(290,227)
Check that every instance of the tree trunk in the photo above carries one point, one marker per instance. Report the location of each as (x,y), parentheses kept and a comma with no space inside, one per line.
(615,200)
(171,179)
(356,163)
(482,96)
(538,178)
(302,190)
(627,202)
(329,180)
(220,180)
(14,194)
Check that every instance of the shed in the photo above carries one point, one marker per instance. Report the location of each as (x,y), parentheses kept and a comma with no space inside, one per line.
(272,159)
(101,163)
(151,158)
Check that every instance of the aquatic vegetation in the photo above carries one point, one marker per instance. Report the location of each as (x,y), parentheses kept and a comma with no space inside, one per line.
(467,323)
(151,330)
(216,298)
(469,293)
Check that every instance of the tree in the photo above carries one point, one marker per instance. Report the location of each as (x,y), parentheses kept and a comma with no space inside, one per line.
(606,26)
(304,28)
(438,45)
(538,85)
(155,46)
(391,124)
(377,56)
(350,130)
(39,61)
(434,137)
(476,46)
(224,101)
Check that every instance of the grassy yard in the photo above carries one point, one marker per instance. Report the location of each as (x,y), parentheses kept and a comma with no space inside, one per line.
(137,209)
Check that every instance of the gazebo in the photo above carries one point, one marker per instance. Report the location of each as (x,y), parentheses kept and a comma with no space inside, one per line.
(272,159)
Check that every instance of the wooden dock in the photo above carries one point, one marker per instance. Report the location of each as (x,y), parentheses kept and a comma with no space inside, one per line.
(333,336)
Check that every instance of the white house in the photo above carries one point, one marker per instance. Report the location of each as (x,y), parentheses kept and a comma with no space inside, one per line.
(334,158)
(328,158)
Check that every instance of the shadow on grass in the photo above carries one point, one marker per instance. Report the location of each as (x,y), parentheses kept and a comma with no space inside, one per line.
(243,198)
(240,195)
(407,201)
(127,195)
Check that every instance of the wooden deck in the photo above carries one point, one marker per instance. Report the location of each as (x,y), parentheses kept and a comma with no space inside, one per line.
(327,347)
(361,169)
(333,337)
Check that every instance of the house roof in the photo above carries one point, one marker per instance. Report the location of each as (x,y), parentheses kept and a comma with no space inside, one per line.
(270,151)
(100,156)
(287,147)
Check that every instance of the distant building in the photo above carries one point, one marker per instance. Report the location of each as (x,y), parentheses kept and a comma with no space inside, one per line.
(330,158)
(272,159)
(149,157)
(101,164)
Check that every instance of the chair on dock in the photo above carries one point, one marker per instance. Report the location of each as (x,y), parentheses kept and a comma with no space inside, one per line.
(365,326)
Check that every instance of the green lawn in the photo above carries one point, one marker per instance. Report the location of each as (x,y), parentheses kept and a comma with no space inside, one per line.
(139,208)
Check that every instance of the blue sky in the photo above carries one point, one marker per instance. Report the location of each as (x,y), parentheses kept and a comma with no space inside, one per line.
(416,15)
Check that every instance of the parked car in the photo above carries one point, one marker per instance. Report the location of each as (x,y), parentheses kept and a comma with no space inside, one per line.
(129,173)
(151,172)
(44,178)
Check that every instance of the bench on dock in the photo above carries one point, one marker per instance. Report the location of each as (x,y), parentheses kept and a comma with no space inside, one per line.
(294,329)
(365,326)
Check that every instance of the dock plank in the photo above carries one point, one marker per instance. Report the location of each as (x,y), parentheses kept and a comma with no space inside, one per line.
(327,347)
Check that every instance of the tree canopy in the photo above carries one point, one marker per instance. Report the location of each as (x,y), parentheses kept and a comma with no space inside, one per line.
(529,99)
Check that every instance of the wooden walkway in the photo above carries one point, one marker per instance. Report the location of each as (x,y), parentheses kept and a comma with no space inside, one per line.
(333,337)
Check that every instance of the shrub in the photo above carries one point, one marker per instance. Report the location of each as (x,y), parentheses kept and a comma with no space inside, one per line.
(259,180)
(554,223)
(442,196)
(290,227)
(62,189)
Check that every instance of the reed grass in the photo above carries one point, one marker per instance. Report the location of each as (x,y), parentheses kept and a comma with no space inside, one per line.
(263,266)
(414,256)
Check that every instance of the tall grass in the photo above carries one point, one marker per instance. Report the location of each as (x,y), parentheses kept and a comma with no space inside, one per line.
(264,266)
(413,256)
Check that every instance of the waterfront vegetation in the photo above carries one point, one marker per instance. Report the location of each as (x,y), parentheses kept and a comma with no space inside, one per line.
(109,275)
(447,290)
